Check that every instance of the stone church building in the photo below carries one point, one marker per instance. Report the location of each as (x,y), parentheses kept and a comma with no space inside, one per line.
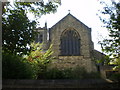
(72,43)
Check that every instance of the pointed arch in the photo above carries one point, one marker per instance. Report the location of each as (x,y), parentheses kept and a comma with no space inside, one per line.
(70,43)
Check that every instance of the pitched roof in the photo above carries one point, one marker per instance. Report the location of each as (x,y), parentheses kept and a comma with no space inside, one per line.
(72,17)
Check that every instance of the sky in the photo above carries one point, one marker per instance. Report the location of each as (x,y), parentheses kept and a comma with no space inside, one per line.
(85,11)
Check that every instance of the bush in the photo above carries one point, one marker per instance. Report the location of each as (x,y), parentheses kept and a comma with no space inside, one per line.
(54,74)
(92,75)
(15,67)
(115,77)
(69,73)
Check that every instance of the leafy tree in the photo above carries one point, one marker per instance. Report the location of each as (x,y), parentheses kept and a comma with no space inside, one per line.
(39,58)
(111,46)
(18,31)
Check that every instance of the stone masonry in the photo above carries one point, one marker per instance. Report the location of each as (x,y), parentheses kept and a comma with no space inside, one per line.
(53,36)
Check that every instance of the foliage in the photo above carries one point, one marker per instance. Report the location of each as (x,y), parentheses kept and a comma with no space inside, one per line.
(117,62)
(111,46)
(105,60)
(53,74)
(18,30)
(115,77)
(40,58)
(31,66)
(39,8)
(15,67)
(18,33)
(69,73)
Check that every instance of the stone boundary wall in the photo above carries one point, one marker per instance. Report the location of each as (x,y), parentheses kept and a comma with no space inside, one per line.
(32,84)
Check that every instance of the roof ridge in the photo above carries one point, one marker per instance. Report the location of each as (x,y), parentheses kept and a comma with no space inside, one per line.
(73,17)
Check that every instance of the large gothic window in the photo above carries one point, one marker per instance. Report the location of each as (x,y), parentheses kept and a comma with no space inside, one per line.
(70,43)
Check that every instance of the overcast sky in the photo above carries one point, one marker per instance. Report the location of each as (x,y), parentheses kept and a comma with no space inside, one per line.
(85,11)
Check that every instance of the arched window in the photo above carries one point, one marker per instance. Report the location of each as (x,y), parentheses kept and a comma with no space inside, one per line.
(70,43)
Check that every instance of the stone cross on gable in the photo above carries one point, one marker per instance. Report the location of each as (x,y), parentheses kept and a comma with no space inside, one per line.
(69,11)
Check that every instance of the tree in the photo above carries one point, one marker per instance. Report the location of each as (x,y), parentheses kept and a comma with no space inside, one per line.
(111,46)
(18,31)
(39,59)
(31,66)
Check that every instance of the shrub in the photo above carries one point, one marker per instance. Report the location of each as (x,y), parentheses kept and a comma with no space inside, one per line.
(32,66)
(39,58)
(15,67)
(54,73)
(92,75)
(115,77)
(70,73)
(78,72)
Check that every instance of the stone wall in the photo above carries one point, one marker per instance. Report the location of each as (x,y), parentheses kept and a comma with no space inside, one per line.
(86,45)
(97,55)
(87,52)
(13,84)
(71,23)
(74,61)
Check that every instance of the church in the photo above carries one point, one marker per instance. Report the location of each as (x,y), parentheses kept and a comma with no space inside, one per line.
(71,43)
